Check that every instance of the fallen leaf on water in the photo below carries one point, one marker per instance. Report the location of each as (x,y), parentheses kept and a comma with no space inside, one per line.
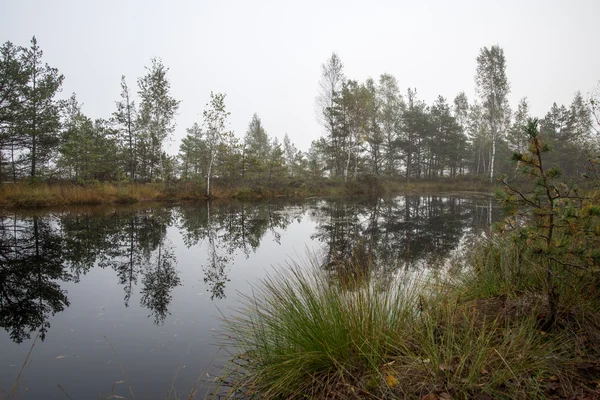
(391,381)
(61,357)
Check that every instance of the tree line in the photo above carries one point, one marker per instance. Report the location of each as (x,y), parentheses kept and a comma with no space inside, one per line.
(370,129)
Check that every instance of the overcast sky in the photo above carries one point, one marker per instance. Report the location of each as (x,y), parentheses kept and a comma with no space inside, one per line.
(267,55)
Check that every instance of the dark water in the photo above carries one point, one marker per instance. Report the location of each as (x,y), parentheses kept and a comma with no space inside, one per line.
(154,280)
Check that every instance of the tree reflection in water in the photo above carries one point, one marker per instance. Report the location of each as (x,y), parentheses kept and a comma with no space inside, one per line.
(384,235)
(39,252)
(31,270)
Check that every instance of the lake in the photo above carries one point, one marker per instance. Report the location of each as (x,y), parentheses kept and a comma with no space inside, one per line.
(153,281)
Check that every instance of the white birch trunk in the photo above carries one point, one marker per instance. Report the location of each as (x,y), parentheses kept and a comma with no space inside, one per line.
(493,157)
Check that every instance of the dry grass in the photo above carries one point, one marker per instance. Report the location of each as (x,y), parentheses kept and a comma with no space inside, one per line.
(44,195)
(23,195)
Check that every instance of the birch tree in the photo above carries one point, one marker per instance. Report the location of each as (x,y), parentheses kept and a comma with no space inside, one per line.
(493,88)
(215,118)
(157,111)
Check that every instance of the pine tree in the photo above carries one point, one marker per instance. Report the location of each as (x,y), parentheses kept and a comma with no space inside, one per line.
(13,79)
(39,122)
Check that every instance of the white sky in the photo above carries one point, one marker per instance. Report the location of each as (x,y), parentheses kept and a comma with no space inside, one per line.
(266,55)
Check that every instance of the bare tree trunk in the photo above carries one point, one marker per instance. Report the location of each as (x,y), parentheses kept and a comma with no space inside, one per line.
(347,166)
(493,157)
(209,173)
(12,155)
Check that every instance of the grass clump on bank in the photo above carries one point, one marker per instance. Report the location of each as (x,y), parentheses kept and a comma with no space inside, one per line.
(302,334)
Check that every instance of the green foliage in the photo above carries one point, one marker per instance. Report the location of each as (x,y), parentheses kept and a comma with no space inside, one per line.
(554,219)
(155,119)
(29,114)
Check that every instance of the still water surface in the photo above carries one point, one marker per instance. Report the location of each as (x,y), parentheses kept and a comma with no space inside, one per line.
(154,280)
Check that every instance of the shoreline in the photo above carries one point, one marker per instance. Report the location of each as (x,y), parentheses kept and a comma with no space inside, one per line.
(45,195)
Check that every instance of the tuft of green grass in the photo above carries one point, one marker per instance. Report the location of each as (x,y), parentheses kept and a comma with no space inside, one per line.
(299,329)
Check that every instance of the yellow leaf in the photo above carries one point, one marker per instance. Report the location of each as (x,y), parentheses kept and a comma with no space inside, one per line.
(391,381)
(553,378)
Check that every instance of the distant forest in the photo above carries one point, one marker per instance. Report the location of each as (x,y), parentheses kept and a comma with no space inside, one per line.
(369,129)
